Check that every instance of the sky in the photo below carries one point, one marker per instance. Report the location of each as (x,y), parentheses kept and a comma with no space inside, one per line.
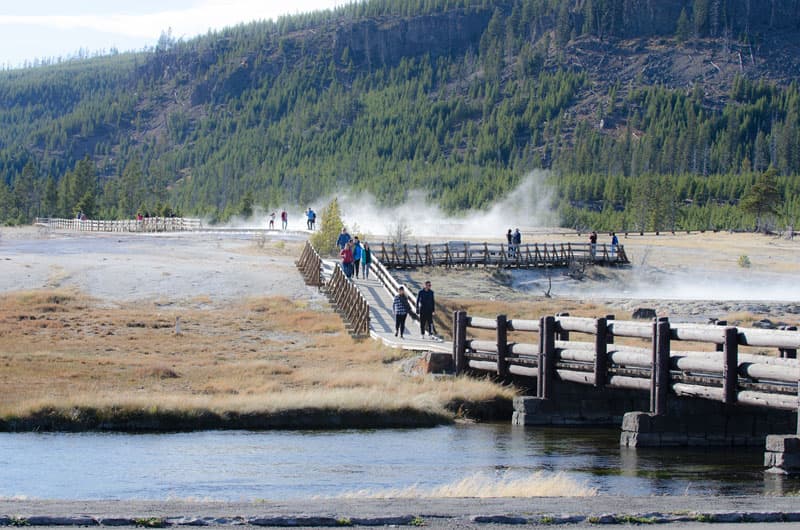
(31,29)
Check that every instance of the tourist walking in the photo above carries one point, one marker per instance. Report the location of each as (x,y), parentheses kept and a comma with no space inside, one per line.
(347,259)
(284,220)
(357,254)
(401,309)
(425,309)
(311,217)
(510,239)
(366,259)
(517,239)
(272,221)
(343,240)
(614,244)
(593,243)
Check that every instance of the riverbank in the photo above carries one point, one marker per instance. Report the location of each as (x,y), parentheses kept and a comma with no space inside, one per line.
(432,513)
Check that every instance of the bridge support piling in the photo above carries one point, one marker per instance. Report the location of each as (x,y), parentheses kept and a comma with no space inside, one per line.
(659,382)
(502,346)
(459,341)
(547,358)
(601,353)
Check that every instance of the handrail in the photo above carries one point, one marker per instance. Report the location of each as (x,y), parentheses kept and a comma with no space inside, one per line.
(725,375)
(148,224)
(310,265)
(349,301)
(342,293)
(391,284)
(465,253)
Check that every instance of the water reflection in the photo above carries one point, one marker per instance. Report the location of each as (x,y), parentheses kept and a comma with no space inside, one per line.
(287,465)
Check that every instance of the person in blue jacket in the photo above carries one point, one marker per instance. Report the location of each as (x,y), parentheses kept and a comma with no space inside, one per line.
(344,239)
(358,252)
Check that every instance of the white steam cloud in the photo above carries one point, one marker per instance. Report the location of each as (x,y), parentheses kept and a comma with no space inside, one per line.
(527,206)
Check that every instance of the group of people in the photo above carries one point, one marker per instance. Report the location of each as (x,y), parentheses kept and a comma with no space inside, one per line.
(356,260)
(356,256)
(514,241)
(426,306)
(593,244)
(284,220)
(311,219)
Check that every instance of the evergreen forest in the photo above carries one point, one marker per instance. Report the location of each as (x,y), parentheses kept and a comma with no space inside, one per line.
(668,115)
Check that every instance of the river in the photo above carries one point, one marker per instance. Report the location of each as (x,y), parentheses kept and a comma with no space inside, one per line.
(237,465)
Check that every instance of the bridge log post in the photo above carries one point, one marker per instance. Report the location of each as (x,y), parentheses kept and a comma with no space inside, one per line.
(502,346)
(730,368)
(609,330)
(562,333)
(601,354)
(788,353)
(459,340)
(721,346)
(659,384)
(547,358)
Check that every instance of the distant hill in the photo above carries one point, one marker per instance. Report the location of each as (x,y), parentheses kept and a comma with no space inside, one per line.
(647,114)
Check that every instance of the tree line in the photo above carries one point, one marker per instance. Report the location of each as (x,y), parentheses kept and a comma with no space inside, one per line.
(283,112)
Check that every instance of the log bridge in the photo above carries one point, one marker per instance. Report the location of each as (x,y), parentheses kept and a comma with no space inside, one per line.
(661,397)
(471,254)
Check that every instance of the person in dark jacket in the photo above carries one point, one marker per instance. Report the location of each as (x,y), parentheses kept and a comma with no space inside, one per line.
(366,259)
(425,308)
(401,310)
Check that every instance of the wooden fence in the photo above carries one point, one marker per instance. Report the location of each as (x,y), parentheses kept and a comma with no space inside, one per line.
(348,301)
(149,224)
(310,265)
(725,375)
(532,255)
(343,294)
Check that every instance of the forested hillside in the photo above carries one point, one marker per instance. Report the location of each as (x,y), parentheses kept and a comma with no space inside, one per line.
(647,115)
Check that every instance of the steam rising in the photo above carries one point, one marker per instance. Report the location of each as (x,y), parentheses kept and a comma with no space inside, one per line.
(528,205)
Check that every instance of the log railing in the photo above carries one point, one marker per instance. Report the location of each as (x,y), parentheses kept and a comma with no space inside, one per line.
(348,301)
(529,255)
(342,293)
(310,265)
(391,284)
(725,375)
(149,224)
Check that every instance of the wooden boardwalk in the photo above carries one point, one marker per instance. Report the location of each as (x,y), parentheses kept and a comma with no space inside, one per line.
(379,296)
(472,254)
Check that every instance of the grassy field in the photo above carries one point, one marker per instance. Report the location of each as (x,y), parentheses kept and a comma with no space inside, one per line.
(76,354)
(69,361)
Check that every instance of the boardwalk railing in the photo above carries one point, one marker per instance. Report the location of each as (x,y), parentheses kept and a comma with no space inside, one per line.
(342,293)
(348,301)
(310,265)
(725,375)
(391,284)
(149,224)
(531,255)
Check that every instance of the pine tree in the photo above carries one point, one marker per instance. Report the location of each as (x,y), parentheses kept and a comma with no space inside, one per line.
(324,240)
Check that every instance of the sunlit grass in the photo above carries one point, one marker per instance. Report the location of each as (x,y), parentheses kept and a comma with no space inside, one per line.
(481,485)
(63,354)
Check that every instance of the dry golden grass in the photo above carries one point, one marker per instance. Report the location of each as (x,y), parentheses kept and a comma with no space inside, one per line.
(538,484)
(60,350)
